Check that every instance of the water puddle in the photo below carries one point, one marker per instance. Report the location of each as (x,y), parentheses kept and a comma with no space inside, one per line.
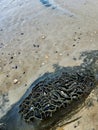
(46,3)
(54,5)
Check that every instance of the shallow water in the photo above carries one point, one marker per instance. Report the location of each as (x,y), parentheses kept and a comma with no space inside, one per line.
(46,3)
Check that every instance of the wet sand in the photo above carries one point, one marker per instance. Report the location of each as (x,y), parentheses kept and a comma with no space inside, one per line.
(33,37)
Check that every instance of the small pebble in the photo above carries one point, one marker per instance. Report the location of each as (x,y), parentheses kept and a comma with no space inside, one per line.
(74,58)
(37,45)
(22,33)
(34,45)
(46,56)
(73,45)
(77,124)
(16,67)
(25,84)
(15,81)
(10,62)
(43,63)
(7,75)
(74,39)
(12,57)
(18,53)
(43,36)
(24,72)
(60,54)
(56,51)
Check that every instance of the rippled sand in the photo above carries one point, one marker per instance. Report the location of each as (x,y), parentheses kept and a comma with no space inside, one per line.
(33,37)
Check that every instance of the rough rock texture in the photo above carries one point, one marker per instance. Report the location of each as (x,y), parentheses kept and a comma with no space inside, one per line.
(54,97)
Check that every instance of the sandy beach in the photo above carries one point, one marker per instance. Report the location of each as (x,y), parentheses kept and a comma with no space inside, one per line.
(34,36)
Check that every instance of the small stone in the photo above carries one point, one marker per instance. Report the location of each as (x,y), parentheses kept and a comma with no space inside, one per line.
(24,72)
(74,58)
(12,57)
(46,56)
(43,36)
(31,108)
(22,33)
(60,54)
(73,45)
(13,67)
(25,84)
(15,81)
(74,39)
(56,51)
(37,45)
(43,63)
(16,67)
(10,62)
(18,53)
(77,124)
(54,7)
(7,75)
(34,45)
